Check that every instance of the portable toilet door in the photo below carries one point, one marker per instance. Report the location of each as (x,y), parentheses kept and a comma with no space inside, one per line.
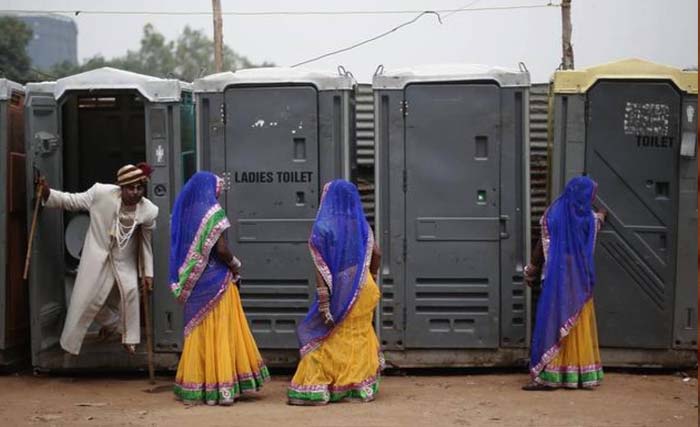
(632,126)
(276,135)
(80,130)
(14,297)
(452,182)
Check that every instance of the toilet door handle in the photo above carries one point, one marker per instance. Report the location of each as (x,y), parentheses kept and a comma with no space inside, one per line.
(503,226)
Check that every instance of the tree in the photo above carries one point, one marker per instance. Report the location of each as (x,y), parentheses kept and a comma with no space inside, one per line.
(14,61)
(189,57)
(194,54)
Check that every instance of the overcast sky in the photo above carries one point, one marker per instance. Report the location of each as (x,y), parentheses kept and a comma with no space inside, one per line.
(664,31)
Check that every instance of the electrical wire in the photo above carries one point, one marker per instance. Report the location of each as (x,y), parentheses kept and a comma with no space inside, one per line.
(465,8)
(77,12)
(363,42)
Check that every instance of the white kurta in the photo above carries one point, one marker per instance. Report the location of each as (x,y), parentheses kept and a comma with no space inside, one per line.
(103,265)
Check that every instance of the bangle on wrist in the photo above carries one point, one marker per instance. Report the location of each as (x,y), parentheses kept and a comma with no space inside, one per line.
(234,262)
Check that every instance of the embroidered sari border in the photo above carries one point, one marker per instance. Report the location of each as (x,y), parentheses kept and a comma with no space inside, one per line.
(225,390)
(571,379)
(564,331)
(365,390)
(197,258)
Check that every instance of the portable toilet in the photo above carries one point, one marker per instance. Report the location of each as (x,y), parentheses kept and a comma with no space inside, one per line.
(632,127)
(14,297)
(276,135)
(80,130)
(452,180)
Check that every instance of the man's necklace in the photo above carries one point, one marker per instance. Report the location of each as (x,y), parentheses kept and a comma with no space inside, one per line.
(126,224)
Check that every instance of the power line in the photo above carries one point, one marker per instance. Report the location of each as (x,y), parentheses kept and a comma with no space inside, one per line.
(35,71)
(77,12)
(386,33)
(465,8)
(43,73)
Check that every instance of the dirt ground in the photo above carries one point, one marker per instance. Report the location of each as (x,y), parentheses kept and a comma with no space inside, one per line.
(411,400)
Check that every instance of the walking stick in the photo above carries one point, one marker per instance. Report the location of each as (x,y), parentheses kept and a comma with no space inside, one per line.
(35,215)
(146,315)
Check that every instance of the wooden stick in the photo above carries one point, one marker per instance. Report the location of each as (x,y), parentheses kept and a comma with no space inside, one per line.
(149,338)
(146,314)
(35,215)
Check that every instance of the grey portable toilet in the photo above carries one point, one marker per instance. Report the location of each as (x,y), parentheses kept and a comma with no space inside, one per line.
(80,130)
(631,126)
(276,135)
(452,219)
(14,304)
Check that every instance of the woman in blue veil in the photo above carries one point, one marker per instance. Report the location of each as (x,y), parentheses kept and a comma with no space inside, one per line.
(340,355)
(564,351)
(219,358)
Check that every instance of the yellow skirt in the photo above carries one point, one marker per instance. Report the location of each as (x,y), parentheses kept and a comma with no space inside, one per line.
(220,359)
(578,362)
(347,364)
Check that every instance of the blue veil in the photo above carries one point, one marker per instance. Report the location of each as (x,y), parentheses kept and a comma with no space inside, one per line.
(341,245)
(197,278)
(569,272)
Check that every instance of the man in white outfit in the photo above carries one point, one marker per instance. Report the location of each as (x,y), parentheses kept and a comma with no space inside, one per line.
(116,253)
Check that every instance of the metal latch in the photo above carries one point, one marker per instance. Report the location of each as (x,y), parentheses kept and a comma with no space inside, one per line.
(503,221)
(45,143)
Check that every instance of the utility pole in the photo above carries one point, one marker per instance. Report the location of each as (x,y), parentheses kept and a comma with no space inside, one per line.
(218,36)
(567,59)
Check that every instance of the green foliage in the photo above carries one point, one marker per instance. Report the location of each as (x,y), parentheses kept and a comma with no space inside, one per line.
(14,61)
(189,57)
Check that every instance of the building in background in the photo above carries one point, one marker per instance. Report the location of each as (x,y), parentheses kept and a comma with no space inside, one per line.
(54,40)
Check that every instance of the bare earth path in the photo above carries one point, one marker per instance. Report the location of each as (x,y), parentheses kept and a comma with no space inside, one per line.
(464,400)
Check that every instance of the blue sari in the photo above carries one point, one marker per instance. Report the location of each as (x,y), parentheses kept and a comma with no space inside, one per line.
(341,245)
(569,273)
(197,279)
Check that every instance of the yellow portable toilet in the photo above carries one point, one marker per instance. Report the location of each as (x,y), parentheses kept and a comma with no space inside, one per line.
(632,127)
